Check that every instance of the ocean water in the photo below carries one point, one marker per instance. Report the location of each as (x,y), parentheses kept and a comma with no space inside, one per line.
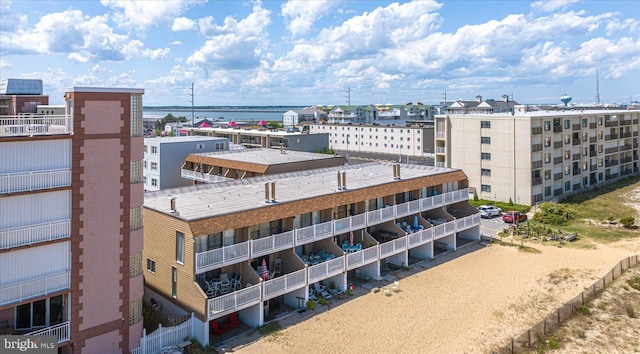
(248,114)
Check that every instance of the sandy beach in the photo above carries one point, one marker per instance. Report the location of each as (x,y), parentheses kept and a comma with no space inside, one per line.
(469,301)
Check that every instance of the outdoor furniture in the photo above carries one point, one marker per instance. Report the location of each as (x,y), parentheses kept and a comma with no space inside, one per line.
(225,284)
(322,291)
(236,281)
(216,329)
(277,267)
(234,322)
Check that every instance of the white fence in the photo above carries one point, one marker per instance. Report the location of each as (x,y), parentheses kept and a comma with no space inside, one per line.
(165,337)
(35,287)
(27,235)
(61,331)
(34,180)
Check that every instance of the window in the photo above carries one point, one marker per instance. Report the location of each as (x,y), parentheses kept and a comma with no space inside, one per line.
(154,149)
(136,115)
(599,162)
(135,311)
(567,138)
(584,151)
(584,122)
(585,166)
(567,154)
(174,282)
(567,124)
(485,187)
(135,265)
(485,124)
(154,182)
(135,218)
(547,142)
(599,148)
(485,140)
(485,172)
(600,134)
(151,265)
(485,156)
(547,158)
(547,174)
(145,149)
(547,191)
(599,120)
(135,171)
(179,247)
(567,185)
(144,164)
(547,125)
(154,166)
(567,170)
(585,136)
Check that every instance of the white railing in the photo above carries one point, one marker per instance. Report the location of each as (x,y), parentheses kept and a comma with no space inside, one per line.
(440,135)
(220,257)
(402,210)
(439,164)
(35,125)
(61,331)
(440,150)
(396,246)
(165,337)
(203,177)
(284,284)
(34,287)
(414,206)
(233,302)
(28,235)
(360,258)
(34,180)
(350,223)
(314,233)
(326,269)
(271,244)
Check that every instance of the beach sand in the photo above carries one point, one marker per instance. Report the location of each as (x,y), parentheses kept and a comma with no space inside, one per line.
(469,301)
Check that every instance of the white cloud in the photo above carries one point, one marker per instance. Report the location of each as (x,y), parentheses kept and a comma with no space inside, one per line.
(4,64)
(182,24)
(235,44)
(141,15)
(551,5)
(300,16)
(175,43)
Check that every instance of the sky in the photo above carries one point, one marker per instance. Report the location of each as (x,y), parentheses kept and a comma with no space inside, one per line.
(319,52)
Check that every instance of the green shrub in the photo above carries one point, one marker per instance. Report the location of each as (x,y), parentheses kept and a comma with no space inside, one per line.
(322,301)
(554,214)
(628,221)
(311,305)
(584,310)
(349,292)
(475,196)
(634,283)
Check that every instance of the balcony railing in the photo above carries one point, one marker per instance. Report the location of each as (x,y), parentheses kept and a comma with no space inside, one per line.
(536,130)
(440,135)
(61,331)
(26,125)
(235,301)
(325,270)
(35,287)
(34,180)
(440,150)
(272,244)
(360,258)
(611,150)
(314,233)
(220,257)
(203,177)
(284,284)
(625,147)
(395,246)
(575,126)
(28,235)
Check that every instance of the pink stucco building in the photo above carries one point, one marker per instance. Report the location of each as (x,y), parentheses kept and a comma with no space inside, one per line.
(71,196)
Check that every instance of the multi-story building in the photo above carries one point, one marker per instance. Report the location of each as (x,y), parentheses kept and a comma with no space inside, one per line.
(303,116)
(71,198)
(246,163)
(243,246)
(482,106)
(267,138)
(401,140)
(534,156)
(19,96)
(163,158)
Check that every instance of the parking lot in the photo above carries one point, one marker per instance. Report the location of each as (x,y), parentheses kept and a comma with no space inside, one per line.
(492,226)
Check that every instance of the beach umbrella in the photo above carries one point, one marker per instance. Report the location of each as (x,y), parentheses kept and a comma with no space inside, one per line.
(265,271)
(415,222)
(204,125)
(262,122)
(351,238)
(232,124)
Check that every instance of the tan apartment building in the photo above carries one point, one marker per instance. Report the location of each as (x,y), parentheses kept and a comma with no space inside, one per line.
(256,247)
(71,198)
(531,156)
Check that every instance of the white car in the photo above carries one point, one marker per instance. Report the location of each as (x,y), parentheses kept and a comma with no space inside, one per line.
(489,211)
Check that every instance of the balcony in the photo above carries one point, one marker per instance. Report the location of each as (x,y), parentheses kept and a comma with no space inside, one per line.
(35,287)
(536,131)
(557,160)
(440,150)
(593,125)
(536,164)
(235,301)
(440,135)
(536,147)
(536,181)
(625,147)
(203,177)
(557,176)
(360,258)
(325,270)
(61,331)
(593,139)
(30,125)
(28,235)
(610,163)
(313,233)
(284,284)
(610,123)
(625,122)
(34,180)
(557,144)
(611,150)
(271,244)
(220,257)
(576,157)
(576,127)
(557,129)
(625,135)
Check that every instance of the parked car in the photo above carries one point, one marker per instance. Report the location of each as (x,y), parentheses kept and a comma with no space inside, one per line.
(514,216)
(489,211)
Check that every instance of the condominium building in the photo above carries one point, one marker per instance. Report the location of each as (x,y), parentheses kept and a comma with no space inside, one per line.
(267,138)
(303,116)
(19,96)
(250,248)
(71,198)
(398,139)
(163,158)
(246,163)
(533,156)
(371,113)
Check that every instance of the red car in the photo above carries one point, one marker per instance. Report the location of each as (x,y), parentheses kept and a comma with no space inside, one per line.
(514,216)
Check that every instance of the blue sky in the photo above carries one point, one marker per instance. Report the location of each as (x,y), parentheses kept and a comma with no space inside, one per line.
(312,52)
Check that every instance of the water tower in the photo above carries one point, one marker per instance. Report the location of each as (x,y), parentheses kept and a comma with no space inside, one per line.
(565,99)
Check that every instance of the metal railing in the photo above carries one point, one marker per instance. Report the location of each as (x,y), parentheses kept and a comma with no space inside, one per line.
(35,124)
(28,235)
(34,180)
(203,177)
(61,331)
(34,287)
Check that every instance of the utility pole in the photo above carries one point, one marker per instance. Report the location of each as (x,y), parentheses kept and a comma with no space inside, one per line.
(597,87)
(348,96)
(192,108)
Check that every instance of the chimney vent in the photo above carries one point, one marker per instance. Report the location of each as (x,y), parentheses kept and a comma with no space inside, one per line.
(273,192)
(173,205)
(344,180)
(339,181)
(266,193)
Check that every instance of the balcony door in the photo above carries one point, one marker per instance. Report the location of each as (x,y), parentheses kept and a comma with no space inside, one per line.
(39,314)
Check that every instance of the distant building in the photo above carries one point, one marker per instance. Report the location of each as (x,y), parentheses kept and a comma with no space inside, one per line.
(482,106)
(303,116)
(71,232)
(267,138)
(164,157)
(240,164)
(413,140)
(19,96)
(50,110)
(534,156)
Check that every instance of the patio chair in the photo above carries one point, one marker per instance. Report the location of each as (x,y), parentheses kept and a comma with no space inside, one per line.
(215,328)
(236,281)
(234,322)
(225,283)
(277,267)
(322,291)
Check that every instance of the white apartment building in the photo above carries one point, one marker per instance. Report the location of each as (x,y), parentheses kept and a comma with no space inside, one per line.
(535,156)
(302,116)
(402,140)
(164,157)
